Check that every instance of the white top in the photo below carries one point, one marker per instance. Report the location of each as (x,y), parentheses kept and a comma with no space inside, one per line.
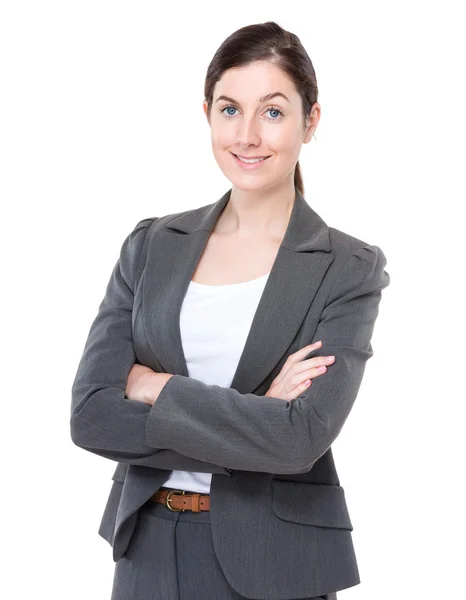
(215,321)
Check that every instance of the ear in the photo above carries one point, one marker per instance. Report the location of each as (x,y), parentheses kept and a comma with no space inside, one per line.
(311,122)
(205,106)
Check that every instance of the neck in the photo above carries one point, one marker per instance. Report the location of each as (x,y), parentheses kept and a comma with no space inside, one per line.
(258,212)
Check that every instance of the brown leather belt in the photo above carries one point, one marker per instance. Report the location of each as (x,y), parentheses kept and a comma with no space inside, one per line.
(180,500)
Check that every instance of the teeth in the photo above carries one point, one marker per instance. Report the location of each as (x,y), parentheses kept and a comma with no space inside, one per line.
(251,160)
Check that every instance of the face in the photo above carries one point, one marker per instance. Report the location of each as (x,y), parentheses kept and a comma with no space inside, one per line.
(244,124)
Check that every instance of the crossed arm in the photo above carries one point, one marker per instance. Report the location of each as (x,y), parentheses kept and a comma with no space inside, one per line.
(206,428)
(103,420)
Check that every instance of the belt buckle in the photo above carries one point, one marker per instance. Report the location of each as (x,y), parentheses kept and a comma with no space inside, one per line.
(168,498)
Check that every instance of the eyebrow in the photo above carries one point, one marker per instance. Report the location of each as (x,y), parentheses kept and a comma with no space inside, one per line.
(261,99)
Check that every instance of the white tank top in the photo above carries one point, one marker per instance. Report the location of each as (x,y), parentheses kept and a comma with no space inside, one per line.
(215,321)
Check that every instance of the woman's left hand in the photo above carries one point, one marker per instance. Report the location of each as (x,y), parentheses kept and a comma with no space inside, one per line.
(144,384)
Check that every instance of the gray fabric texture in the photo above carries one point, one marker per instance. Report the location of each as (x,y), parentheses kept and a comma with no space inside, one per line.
(171,557)
(279,518)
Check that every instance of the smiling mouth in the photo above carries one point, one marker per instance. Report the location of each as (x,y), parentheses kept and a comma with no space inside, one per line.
(251,158)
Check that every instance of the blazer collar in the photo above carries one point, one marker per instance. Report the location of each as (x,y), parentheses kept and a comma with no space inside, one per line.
(306,231)
(299,267)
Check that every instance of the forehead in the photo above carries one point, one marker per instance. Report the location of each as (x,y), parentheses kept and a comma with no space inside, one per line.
(257,79)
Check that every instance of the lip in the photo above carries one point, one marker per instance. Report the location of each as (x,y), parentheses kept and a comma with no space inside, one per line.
(250,166)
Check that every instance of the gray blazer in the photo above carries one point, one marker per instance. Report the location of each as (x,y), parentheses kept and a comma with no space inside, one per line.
(280,522)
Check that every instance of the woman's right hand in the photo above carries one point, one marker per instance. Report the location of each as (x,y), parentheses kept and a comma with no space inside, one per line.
(297,374)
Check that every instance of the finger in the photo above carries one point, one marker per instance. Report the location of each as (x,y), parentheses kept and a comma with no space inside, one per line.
(297,370)
(315,361)
(299,389)
(295,358)
(300,354)
(307,374)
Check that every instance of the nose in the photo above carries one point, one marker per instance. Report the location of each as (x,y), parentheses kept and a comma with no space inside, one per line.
(247,133)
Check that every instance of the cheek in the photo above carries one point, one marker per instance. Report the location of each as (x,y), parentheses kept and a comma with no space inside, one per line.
(282,139)
(222,137)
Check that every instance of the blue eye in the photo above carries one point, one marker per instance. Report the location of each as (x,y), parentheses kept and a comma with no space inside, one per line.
(280,114)
(275,110)
(229,116)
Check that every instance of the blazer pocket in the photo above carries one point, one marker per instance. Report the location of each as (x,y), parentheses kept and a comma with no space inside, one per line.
(310,504)
(120,472)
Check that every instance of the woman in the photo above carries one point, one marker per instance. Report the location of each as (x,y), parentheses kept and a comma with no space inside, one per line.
(196,376)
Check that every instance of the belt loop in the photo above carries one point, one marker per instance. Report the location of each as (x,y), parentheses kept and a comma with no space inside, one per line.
(195,504)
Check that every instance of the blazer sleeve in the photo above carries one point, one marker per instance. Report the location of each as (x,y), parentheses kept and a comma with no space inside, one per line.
(258,433)
(103,419)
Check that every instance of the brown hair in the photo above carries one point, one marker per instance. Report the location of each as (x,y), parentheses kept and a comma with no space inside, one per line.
(266,42)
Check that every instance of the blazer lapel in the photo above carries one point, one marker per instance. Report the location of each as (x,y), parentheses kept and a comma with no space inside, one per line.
(299,267)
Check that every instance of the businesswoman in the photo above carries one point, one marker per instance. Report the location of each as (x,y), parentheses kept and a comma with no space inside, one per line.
(226,356)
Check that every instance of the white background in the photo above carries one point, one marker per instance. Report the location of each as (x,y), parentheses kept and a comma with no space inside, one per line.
(102,126)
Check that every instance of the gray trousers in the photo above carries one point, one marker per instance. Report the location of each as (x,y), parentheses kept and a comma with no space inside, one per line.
(171,557)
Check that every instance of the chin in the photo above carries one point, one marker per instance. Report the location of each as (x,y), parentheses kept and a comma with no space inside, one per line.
(250,186)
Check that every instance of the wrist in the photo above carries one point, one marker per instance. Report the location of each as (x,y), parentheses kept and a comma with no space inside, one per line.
(150,388)
(154,382)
